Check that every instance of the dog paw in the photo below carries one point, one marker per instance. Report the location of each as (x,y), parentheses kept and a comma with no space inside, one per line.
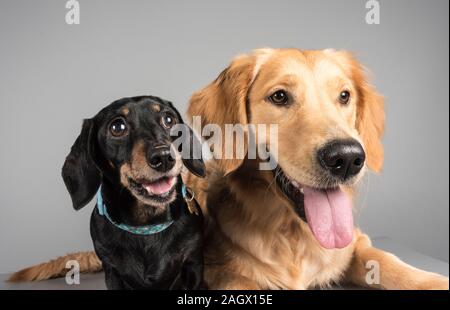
(435,282)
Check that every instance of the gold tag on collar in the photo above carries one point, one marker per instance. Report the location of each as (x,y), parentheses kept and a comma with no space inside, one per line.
(192,206)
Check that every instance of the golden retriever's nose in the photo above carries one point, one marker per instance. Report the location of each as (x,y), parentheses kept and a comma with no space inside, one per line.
(342,158)
(160,159)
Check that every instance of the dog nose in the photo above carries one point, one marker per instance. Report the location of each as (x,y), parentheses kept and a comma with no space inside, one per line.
(160,159)
(342,158)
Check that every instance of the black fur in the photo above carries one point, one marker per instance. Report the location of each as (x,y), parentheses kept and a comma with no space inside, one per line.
(171,259)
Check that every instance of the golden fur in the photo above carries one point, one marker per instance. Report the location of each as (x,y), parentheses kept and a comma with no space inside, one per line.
(254,239)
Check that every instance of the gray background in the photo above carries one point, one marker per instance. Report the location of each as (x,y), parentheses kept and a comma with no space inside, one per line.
(52,75)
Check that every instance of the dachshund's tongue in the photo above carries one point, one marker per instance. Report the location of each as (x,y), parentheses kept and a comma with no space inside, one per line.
(160,187)
(329,215)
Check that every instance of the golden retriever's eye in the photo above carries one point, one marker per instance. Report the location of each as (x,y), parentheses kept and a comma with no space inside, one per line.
(344,97)
(280,97)
(168,121)
(118,127)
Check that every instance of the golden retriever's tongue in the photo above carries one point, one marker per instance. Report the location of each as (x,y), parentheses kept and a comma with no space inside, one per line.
(159,187)
(329,215)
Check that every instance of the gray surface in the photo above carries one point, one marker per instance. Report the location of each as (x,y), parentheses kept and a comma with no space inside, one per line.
(53,75)
(96,281)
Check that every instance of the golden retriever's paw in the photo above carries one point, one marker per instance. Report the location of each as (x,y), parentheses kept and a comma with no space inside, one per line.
(434,282)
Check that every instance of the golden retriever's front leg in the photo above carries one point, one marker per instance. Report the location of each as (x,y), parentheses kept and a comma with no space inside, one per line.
(220,278)
(378,269)
(237,282)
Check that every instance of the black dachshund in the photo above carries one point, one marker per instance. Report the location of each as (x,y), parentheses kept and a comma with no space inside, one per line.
(146,227)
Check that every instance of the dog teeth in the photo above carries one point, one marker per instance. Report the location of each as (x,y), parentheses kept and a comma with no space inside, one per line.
(301,190)
(295,184)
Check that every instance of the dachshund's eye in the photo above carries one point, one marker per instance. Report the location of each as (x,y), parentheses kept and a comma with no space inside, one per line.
(280,97)
(118,127)
(344,97)
(168,121)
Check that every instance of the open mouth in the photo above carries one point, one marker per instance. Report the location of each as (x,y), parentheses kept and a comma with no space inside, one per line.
(328,212)
(159,190)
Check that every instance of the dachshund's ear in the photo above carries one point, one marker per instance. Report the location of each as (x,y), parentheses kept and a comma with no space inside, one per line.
(370,115)
(80,174)
(224,101)
(189,146)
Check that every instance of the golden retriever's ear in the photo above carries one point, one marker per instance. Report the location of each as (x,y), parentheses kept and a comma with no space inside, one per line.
(224,102)
(370,117)
(370,123)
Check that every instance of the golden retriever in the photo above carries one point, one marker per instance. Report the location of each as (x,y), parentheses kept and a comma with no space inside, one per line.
(291,228)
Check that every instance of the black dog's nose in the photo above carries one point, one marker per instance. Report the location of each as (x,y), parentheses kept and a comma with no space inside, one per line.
(343,158)
(160,159)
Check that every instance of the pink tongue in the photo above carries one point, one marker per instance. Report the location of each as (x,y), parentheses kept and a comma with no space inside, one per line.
(159,187)
(329,215)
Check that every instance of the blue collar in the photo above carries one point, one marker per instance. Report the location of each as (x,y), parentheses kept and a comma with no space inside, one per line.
(137,230)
